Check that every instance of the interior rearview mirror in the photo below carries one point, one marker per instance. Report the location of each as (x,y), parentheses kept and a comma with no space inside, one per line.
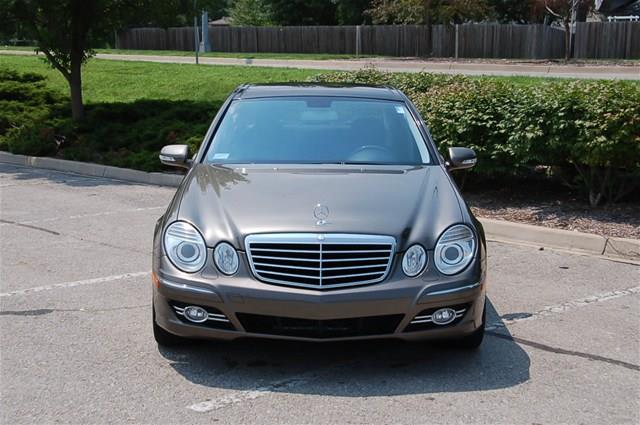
(461,158)
(175,156)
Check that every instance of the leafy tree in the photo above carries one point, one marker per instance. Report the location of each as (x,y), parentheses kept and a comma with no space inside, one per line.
(429,11)
(460,11)
(172,13)
(251,12)
(399,11)
(351,12)
(512,11)
(303,12)
(63,30)
(563,11)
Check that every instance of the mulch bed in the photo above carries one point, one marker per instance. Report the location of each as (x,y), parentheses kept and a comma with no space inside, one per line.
(568,213)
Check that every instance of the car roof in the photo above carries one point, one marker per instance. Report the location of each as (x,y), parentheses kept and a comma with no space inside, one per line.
(256,91)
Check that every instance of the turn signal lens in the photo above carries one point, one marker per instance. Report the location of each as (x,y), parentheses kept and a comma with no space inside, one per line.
(226,258)
(414,260)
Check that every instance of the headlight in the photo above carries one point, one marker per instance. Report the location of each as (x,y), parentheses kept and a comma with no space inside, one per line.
(226,258)
(414,260)
(454,250)
(185,247)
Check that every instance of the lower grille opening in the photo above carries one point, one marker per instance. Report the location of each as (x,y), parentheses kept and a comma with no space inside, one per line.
(215,318)
(423,320)
(307,328)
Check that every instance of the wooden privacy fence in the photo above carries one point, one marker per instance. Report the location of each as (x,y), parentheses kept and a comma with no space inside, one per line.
(611,40)
(593,40)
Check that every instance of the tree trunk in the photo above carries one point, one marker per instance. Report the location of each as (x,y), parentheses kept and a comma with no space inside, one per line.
(567,40)
(75,85)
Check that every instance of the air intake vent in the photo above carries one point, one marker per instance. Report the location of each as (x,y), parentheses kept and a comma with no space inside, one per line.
(306,328)
(320,261)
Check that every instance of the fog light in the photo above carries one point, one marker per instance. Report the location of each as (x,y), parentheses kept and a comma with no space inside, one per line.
(444,316)
(196,314)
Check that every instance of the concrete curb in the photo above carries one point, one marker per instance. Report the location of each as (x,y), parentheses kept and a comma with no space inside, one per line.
(95,170)
(500,230)
(562,239)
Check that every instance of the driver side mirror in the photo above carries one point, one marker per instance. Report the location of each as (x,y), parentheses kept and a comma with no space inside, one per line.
(175,156)
(461,159)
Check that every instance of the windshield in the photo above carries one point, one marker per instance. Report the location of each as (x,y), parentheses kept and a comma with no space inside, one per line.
(317,130)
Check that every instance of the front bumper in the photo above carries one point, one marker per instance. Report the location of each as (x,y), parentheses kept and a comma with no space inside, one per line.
(398,299)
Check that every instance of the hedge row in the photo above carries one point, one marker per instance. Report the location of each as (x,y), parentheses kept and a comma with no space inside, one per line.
(585,132)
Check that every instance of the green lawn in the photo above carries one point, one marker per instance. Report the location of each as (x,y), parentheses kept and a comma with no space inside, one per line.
(116,81)
(132,108)
(309,56)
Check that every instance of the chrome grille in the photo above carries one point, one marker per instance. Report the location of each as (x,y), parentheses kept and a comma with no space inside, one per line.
(320,261)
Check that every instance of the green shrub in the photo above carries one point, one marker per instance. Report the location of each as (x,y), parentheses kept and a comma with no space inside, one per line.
(29,114)
(592,127)
(36,121)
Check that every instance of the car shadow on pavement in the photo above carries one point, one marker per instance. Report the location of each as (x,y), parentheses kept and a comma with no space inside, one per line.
(355,369)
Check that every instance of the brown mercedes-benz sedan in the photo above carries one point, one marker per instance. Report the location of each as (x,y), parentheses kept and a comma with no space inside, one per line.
(318,213)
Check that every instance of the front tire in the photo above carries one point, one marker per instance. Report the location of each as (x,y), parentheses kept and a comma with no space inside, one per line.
(474,340)
(164,338)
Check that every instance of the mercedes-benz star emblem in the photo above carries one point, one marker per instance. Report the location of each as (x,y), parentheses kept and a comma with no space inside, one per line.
(321,212)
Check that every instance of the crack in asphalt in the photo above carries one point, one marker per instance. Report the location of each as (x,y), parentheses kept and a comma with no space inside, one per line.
(43,311)
(77,238)
(29,226)
(563,351)
(511,318)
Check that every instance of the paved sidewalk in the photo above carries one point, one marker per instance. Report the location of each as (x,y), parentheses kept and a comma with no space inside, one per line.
(400,65)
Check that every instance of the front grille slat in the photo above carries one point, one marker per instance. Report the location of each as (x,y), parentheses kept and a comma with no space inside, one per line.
(271,257)
(320,261)
(351,275)
(353,259)
(372,266)
(257,265)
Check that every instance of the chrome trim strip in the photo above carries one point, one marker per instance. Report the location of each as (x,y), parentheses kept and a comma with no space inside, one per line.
(185,287)
(217,319)
(319,240)
(452,290)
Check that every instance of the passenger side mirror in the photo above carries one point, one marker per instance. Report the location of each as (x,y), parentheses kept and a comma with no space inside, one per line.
(461,158)
(175,156)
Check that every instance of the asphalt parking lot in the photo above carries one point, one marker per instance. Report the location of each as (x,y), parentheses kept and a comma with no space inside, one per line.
(76,343)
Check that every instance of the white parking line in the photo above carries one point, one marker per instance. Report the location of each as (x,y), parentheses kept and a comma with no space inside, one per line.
(240,396)
(75,283)
(567,306)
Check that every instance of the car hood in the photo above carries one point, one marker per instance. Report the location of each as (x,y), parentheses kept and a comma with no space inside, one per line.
(411,203)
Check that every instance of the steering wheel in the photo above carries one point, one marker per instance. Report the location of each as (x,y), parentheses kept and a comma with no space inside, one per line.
(386,152)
